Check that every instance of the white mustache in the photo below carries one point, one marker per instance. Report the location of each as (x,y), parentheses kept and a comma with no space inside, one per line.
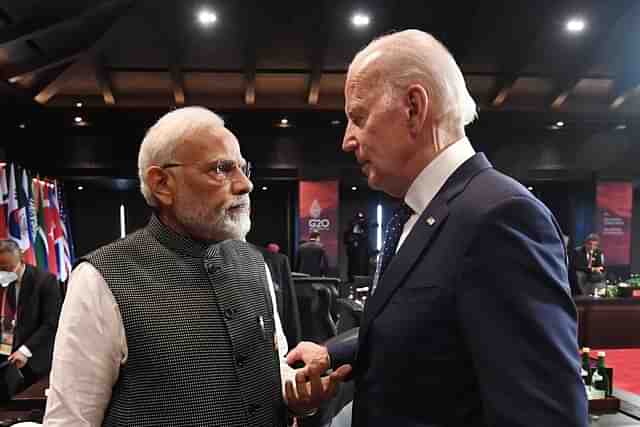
(244,202)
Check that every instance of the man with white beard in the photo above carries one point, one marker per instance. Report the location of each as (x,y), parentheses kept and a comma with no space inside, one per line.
(175,325)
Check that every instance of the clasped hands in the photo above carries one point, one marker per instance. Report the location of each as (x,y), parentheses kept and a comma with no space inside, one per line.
(311,388)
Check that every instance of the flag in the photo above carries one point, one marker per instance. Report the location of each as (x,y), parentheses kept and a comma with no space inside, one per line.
(63,262)
(25,203)
(67,243)
(40,241)
(18,228)
(4,200)
(32,213)
(50,227)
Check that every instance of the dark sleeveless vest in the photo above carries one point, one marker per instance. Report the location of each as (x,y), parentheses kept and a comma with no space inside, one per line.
(200,332)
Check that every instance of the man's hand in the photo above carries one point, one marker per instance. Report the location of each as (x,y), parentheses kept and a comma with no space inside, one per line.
(18,359)
(310,389)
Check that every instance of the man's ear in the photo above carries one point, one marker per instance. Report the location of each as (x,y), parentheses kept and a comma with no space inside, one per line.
(417,107)
(161,184)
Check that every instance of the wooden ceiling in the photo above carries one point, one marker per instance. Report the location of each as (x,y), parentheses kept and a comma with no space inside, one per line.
(291,55)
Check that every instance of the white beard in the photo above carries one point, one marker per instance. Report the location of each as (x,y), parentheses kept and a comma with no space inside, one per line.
(219,225)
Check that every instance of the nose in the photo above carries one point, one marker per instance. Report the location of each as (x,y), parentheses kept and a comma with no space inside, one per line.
(241,185)
(349,142)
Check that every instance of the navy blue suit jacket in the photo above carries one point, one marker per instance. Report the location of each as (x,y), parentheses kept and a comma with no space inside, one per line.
(472,323)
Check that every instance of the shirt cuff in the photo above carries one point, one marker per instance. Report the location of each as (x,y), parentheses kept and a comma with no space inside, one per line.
(25,350)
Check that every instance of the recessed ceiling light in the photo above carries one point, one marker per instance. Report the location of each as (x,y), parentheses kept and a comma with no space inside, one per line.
(559,124)
(354,188)
(80,188)
(79,104)
(207,17)
(77,119)
(576,25)
(530,188)
(265,188)
(284,122)
(22,125)
(360,20)
(335,122)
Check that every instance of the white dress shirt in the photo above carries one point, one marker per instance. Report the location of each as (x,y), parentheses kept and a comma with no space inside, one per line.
(427,184)
(91,346)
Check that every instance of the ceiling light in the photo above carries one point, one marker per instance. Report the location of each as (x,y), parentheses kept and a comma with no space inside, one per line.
(621,127)
(576,25)
(79,104)
(354,188)
(207,17)
(80,188)
(284,122)
(78,119)
(265,188)
(360,20)
(530,188)
(335,122)
(559,124)
(22,125)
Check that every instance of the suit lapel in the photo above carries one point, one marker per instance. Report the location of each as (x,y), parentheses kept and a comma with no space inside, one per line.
(418,240)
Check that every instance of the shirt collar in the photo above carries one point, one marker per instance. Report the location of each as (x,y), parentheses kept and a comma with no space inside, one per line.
(427,184)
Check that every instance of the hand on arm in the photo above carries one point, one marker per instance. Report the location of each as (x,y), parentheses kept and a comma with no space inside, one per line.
(311,388)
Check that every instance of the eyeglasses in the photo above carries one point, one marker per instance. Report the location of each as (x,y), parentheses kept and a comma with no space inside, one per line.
(221,168)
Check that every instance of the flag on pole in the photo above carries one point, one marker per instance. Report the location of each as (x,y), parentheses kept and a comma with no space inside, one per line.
(40,242)
(18,228)
(50,227)
(25,203)
(65,221)
(4,201)
(63,262)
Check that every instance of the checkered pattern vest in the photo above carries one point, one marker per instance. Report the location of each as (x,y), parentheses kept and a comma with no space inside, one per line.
(200,332)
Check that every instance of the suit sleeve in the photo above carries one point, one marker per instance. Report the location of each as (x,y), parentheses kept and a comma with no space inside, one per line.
(343,349)
(519,320)
(42,338)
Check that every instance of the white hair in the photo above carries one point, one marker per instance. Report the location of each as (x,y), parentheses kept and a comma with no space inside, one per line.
(159,144)
(413,56)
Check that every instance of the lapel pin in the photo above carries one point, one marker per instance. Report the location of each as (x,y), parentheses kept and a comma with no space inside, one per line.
(431,220)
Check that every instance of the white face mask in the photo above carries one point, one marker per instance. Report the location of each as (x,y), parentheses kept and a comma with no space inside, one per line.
(7,277)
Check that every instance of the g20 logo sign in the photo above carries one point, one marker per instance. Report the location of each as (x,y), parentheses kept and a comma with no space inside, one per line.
(319,224)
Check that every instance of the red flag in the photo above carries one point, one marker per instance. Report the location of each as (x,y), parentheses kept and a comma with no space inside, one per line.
(50,228)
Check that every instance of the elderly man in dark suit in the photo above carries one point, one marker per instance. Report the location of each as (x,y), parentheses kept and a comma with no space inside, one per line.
(588,265)
(470,322)
(30,310)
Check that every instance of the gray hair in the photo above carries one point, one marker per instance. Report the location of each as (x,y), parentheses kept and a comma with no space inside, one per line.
(159,144)
(413,56)
(10,246)
(593,237)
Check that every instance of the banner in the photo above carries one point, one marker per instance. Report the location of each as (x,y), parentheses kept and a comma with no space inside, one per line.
(319,212)
(613,223)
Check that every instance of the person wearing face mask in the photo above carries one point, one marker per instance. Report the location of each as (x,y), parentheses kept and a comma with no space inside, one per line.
(29,310)
(175,325)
